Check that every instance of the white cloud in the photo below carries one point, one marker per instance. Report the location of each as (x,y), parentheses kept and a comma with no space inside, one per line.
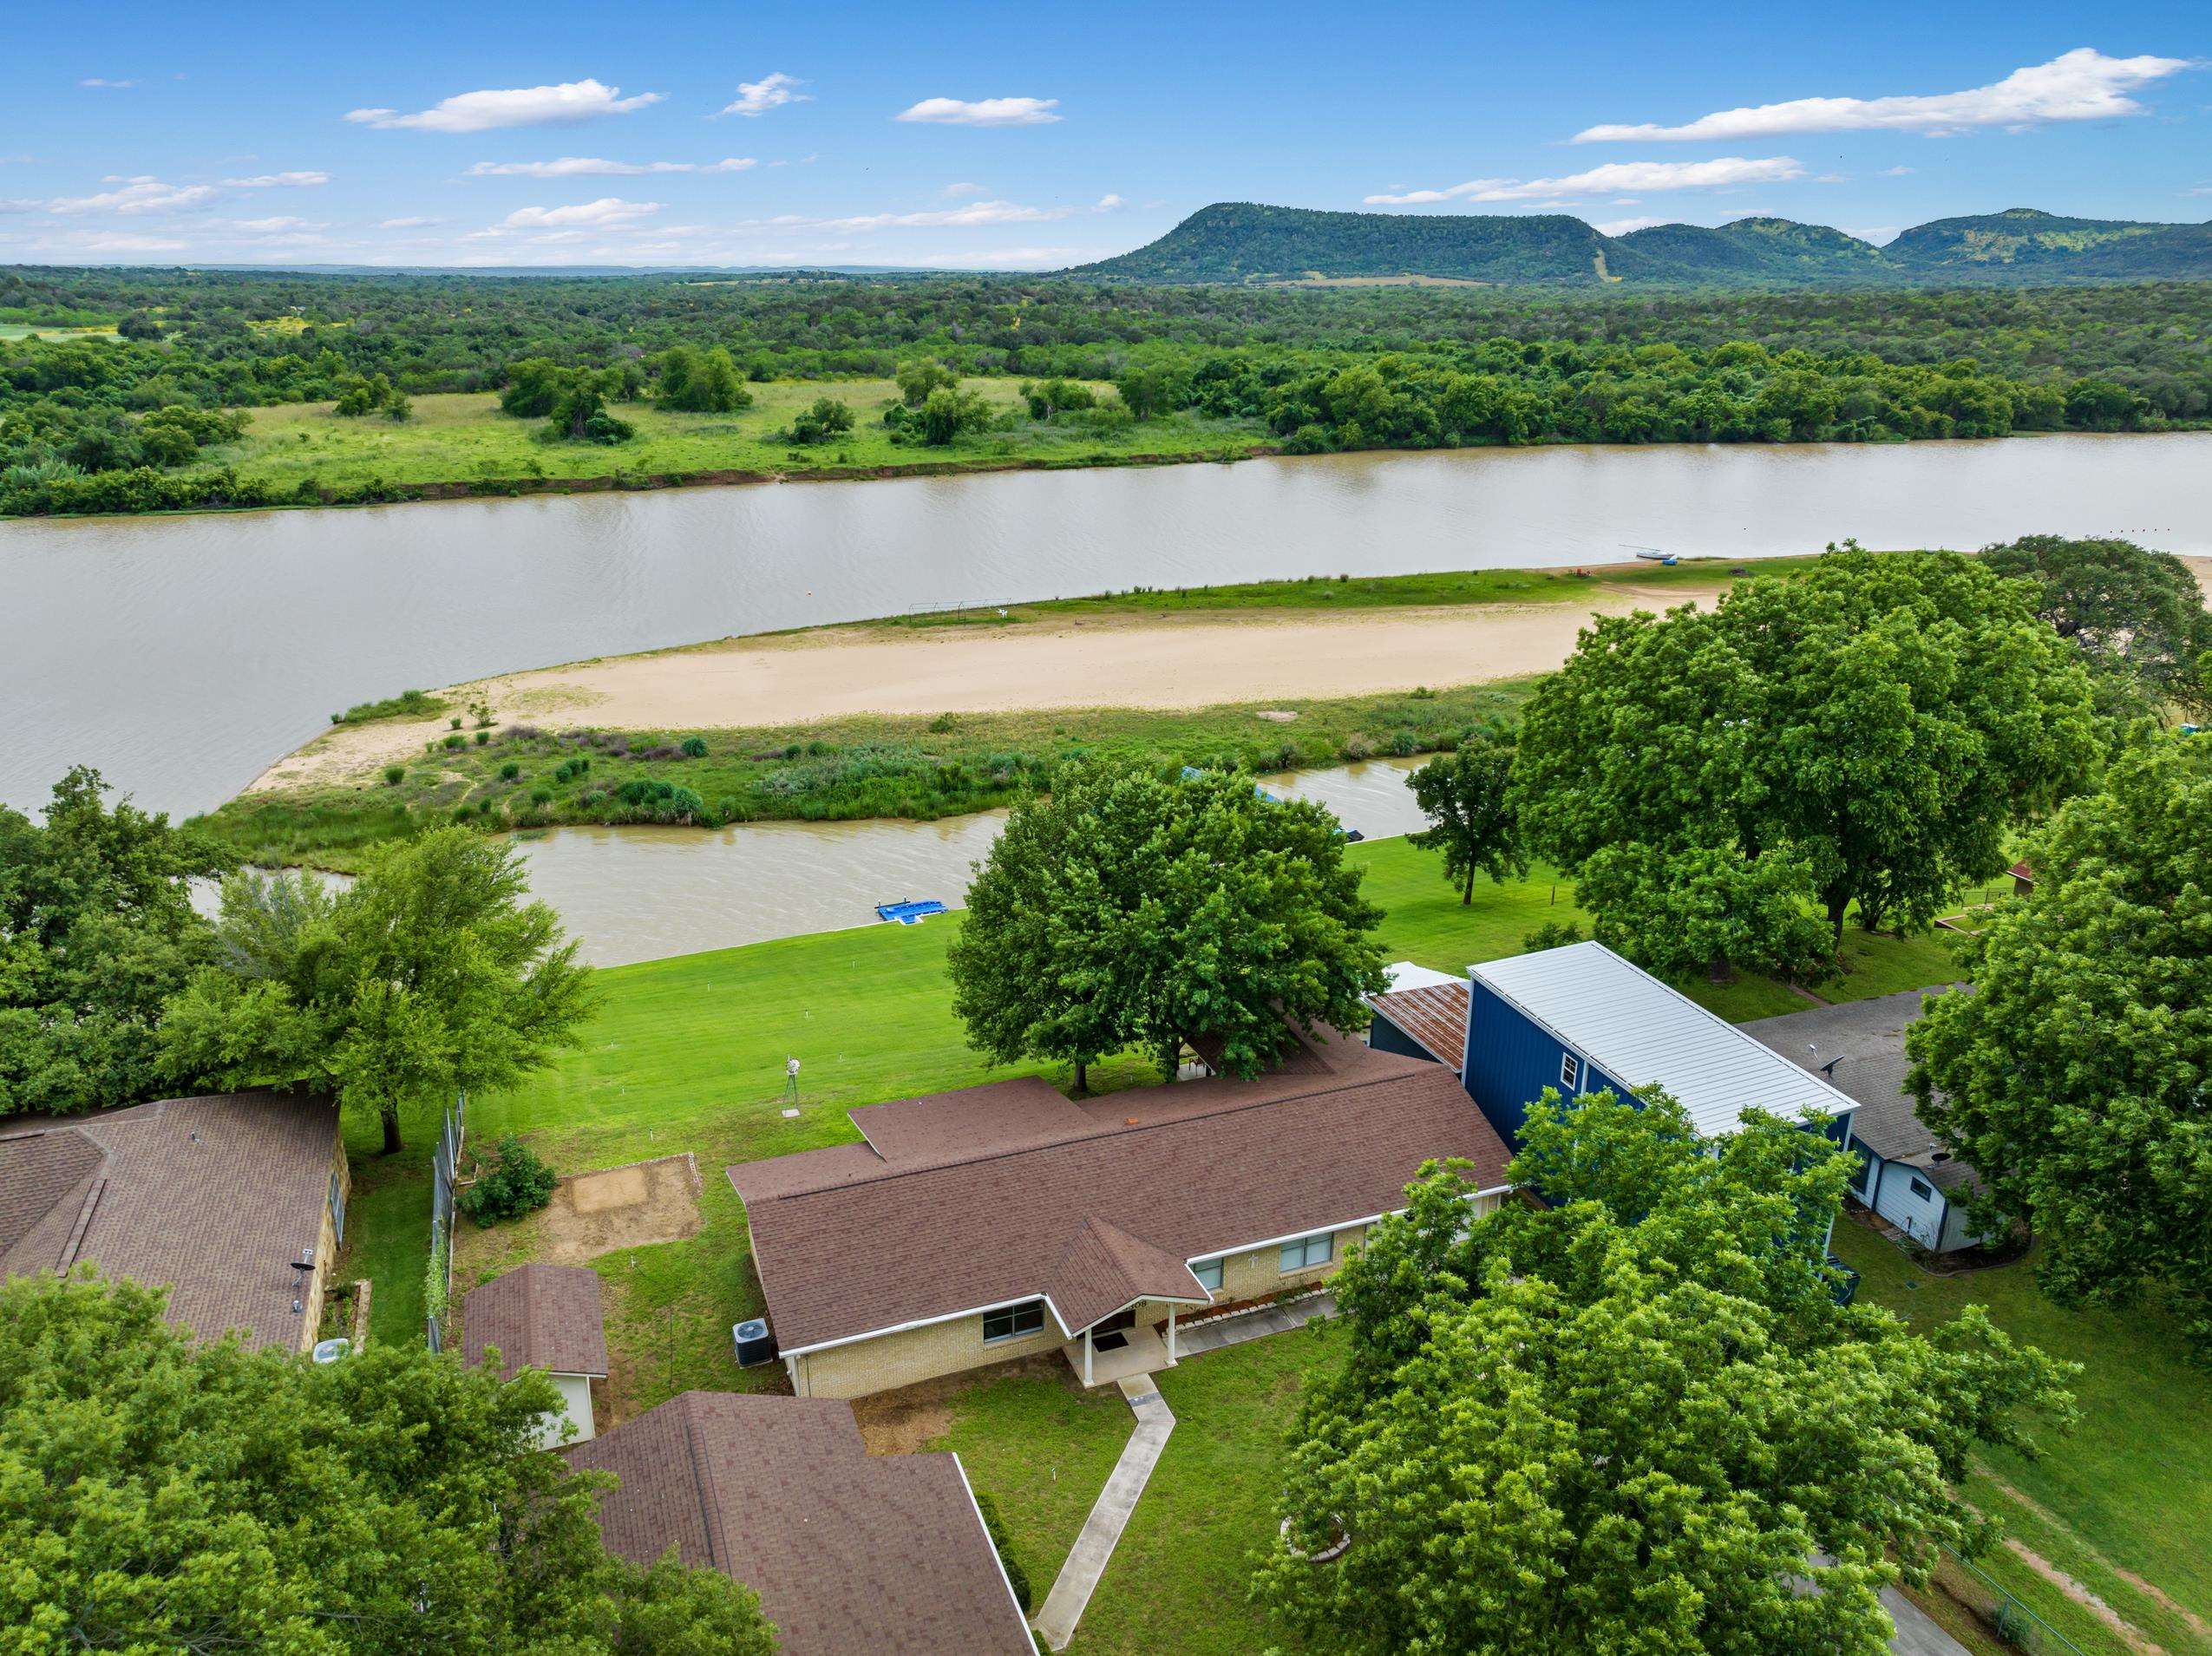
(962,192)
(1613,176)
(407,224)
(536,106)
(102,81)
(972,216)
(770,92)
(119,244)
(2080,85)
(982,112)
(268,226)
(144,193)
(1897,172)
(1109,203)
(607,210)
(592,166)
(1622,226)
(278,181)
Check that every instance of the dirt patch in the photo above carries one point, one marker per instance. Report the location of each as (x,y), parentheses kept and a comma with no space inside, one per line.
(909,1420)
(2149,1589)
(590,1215)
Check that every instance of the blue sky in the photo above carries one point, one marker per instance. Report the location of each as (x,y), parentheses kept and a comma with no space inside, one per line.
(994,136)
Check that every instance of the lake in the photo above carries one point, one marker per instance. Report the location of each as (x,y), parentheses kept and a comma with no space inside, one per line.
(181,655)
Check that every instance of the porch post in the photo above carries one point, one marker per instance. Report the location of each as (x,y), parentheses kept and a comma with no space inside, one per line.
(1171,1333)
(1086,1360)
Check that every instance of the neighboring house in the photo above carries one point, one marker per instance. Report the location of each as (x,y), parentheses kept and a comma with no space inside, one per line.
(1582,1019)
(1423,1015)
(2023,879)
(236,1201)
(1908,1175)
(848,1551)
(1007,1221)
(542,1317)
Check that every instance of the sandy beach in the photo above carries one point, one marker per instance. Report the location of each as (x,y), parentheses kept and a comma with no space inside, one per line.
(1196,661)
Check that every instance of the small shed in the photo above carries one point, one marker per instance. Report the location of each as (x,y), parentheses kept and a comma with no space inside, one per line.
(1423,1015)
(543,1317)
(1582,1019)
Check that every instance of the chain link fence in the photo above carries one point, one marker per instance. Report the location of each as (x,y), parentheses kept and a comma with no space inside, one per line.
(445,1167)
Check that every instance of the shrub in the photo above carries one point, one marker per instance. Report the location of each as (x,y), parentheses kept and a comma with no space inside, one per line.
(1016,1577)
(482,736)
(509,771)
(519,1183)
(542,795)
(395,775)
(943,723)
(456,740)
(408,703)
(453,723)
(695,747)
(1552,934)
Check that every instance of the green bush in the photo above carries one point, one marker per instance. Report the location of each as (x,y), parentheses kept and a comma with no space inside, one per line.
(1015,1575)
(519,1183)
(542,795)
(695,747)
(510,770)
(1552,935)
(395,775)
(482,736)
(456,740)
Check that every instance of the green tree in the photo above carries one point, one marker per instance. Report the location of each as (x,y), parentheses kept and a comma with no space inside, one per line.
(97,930)
(430,976)
(1125,911)
(159,1495)
(1146,391)
(1635,1419)
(2137,613)
(139,325)
(2073,1078)
(917,376)
(947,414)
(1463,794)
(534,387)
(827,418)
(1880,721)
(1703,907)
(580,414)
(704,382)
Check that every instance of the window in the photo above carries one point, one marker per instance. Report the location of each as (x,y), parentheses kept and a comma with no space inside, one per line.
(1924,1190)
(337,1209)
(1027,1318)
(1307,1252)
(1569,1072)
(1208,1273)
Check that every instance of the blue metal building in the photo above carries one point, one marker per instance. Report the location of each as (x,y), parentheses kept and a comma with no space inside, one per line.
(1582,1019)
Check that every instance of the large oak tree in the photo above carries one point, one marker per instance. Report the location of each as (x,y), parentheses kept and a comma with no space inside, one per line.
(1127,910)
(1879,721)
(1635,1420)
(2075,1076)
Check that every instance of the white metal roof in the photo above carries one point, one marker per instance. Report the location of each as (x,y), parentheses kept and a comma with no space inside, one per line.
(1405,975)
(1637,1029)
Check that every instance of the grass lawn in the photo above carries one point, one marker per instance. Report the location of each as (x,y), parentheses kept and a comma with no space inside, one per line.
(2129,1491)
(463,438)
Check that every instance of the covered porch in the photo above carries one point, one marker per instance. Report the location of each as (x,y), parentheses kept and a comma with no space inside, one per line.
(1125,1345)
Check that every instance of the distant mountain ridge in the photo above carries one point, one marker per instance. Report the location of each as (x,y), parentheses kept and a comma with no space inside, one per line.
(1243,241)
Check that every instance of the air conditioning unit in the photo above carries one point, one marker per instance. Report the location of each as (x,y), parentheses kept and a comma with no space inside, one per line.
(755,1346)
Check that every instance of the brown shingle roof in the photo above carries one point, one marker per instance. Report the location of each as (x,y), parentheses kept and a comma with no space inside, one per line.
(1105,1268)
(1208,1167)
(849,1552)
(539,1316)
(1024,1110)
(215,1196)
(1434,1015)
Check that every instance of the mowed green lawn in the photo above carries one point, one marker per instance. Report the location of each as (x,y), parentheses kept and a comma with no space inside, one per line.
(463,438)
(687,1053)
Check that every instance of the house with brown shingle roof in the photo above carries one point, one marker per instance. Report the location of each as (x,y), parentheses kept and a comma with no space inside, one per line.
(1005,1220)
(543,1317)
(848,1551)
(236,1201)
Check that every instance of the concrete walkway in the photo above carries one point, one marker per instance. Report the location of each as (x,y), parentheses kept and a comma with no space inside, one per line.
(1078,1577)
(1917,1634)
(1250,1325)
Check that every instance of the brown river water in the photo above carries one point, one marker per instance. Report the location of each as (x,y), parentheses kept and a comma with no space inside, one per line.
(181,655)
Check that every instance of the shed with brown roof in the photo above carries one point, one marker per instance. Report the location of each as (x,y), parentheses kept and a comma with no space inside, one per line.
(849,1552)
(235,1201)
(542,1317)
(1003,1236)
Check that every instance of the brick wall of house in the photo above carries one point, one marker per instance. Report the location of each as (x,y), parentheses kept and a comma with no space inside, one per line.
(326,1247)
(893,1360)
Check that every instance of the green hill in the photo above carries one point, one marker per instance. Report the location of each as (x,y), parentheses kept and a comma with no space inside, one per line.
(1246,242)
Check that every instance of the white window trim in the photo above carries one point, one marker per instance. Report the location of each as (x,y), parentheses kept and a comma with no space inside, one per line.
(1570,1070)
